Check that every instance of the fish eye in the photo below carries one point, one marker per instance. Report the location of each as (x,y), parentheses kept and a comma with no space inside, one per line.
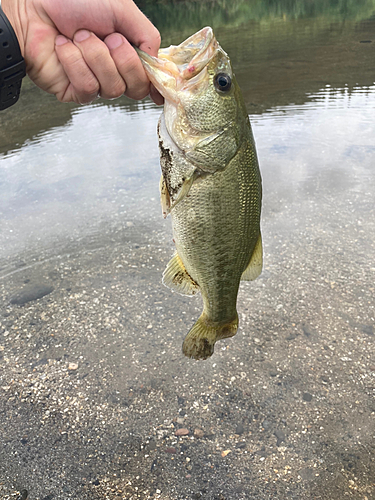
(222,82)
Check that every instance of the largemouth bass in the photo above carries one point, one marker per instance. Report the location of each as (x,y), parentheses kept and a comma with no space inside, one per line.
(210,184)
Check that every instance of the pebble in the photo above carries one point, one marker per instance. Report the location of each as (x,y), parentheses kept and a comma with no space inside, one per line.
(151,446)
(307,396)
(23,495)
(262,452)
(368,329)
(241,445)
(280,436)
(171,450)
(225,453)
(30,293)
(182,432)
(239,429)
(266,424)
(307,330)
(198,433)
(308,474)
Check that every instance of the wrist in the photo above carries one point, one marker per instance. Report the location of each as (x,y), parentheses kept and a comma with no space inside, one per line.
(12,64)
(11,10)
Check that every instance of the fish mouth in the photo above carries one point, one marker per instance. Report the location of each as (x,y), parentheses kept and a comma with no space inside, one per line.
(180,65)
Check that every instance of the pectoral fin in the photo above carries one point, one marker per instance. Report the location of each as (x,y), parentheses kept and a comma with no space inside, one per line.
(168,202)
(164,198)
(185,188)
(177,278)
(255,265)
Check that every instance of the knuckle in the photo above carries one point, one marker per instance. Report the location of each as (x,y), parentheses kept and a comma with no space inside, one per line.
(98,55)
(115,92)
(86,90)
(156,36)
(90,87)
(65,99)
(73,58)
(64,94)
(131,62)
(138,93)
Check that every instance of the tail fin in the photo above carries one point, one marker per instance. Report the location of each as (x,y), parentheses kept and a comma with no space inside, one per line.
(200,341)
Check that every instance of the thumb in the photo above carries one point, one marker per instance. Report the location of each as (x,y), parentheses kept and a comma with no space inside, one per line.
(136,28)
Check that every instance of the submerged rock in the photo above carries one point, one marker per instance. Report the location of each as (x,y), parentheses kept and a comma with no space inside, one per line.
(29,293)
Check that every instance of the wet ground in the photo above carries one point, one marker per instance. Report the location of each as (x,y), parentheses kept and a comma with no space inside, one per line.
(96,398)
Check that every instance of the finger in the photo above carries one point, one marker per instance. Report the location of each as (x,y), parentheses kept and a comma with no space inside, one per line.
(83,87)
(156,96)
(129,66)
(99,60)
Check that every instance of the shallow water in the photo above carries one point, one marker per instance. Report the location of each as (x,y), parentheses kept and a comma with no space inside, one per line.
(80,211)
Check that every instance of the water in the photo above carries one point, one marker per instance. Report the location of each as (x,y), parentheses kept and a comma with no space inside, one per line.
(291,396)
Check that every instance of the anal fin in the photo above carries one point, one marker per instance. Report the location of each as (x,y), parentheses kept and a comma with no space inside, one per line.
(177,278)
(255,265)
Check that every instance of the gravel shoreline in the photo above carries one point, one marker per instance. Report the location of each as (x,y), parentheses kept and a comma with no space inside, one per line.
(98,402)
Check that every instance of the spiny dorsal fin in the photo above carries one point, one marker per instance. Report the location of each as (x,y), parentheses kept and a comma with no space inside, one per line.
(255,265)
(176,277)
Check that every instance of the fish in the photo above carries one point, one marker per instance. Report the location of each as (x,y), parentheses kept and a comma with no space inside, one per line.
(210,184)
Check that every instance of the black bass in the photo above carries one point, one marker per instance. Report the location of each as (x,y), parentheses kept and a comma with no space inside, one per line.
(210,183)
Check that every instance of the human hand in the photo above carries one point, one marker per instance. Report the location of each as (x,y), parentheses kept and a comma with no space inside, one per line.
(79,49)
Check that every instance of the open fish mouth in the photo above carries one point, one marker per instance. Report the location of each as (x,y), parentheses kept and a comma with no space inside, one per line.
(178,65)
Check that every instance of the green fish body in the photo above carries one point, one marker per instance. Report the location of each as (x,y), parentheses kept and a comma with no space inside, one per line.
(211,184)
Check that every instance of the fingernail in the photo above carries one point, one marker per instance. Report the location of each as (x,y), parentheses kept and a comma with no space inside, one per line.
(61,40)
(81,35)
(113,41)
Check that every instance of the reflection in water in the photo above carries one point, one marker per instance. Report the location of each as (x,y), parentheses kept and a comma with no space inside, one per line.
(107,173)
(191,16)
(278,59)
(322,148)
(104,164)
